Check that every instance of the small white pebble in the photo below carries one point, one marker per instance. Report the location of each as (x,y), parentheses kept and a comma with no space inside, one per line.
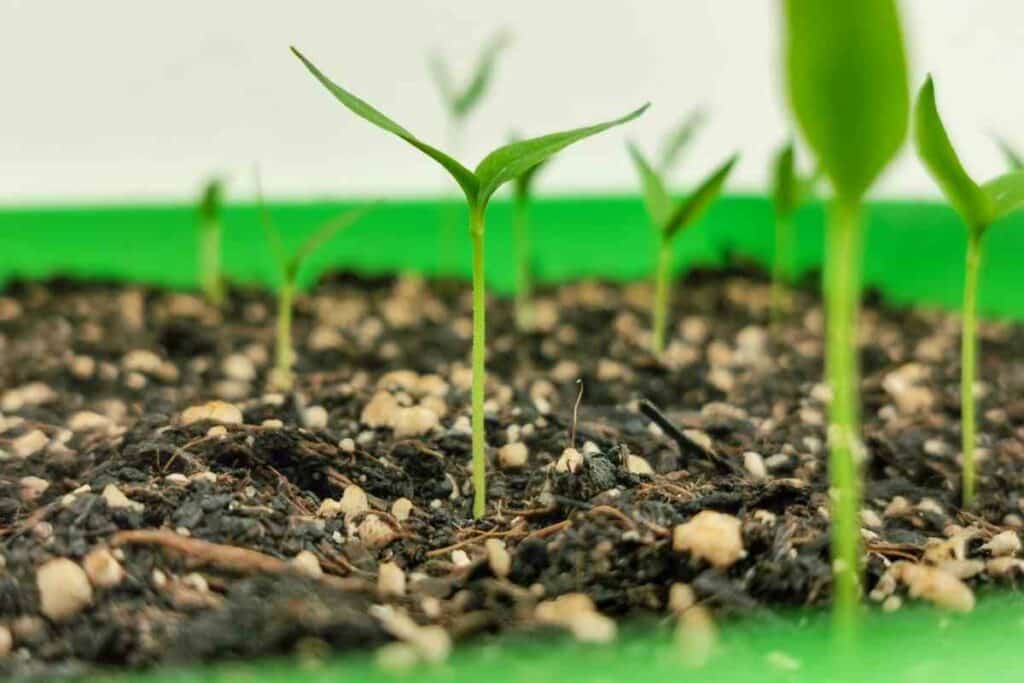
(315,417)
(712,536)
(347,445)
(401,509)
(64,589)
(513,455)
(754,464)
(103,569)
(460,558)
(498,557)
(390,580)
(307,564)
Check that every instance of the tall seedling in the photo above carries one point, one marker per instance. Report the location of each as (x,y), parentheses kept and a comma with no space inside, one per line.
(979,206)
(289,265)
(211,280)
(479,185)
(669,222)
(459,103)
(789,189)
(847,83)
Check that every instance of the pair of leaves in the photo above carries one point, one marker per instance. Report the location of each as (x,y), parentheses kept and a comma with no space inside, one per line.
(497,168)
(847,80)
(659,203)
(979,205)
(290,264)
(461,102)
(789,188)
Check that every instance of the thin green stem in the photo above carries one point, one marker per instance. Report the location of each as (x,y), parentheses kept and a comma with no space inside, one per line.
(968,364)
(781,267)
(476,229)
(661,296)
(209,262)
(842,295)
(284,352)
(524,278)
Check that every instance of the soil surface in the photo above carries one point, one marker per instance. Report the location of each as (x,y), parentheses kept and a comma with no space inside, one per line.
(142,524)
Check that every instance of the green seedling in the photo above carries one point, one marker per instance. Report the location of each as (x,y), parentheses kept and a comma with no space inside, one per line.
(211,280)
(289,265)
(459,103)
(669,222)
(846,73)
(502,165)
(1014,159)
(789,189)
(979,206)
(522,188)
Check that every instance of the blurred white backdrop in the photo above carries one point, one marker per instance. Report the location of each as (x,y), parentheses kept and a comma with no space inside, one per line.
(122,99)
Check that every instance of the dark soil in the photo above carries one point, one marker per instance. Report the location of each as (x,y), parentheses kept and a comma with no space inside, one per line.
(730,420)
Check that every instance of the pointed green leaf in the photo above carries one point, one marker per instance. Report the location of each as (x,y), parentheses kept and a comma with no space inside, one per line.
(211,201)
(785,185)
(524,181)
(463,103)
(847,82)
(328,230)
(679,139)
(505,163)
(697,203)
(1005,193)
(939,157)
(462,175)
(656,197)
(442,79)
(1013,158)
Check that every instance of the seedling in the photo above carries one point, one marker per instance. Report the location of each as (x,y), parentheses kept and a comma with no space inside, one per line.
(497,168)
(522,188)
(289,266)
(669,223)
(979,206)
(459,103)
(788,190)
(847,83)
(210,278)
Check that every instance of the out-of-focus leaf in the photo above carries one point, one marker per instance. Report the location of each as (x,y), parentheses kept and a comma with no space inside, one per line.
(847,82)
(679,139)
(785,185)
(462,175)
(656,197)
(505,163)
(1005,193)
(1013,158)
(464,102)
(941,160)
(211,201)
(694,206)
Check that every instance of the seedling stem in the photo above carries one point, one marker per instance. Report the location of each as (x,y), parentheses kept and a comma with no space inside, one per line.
(476,229)
(662,276)
(968,363)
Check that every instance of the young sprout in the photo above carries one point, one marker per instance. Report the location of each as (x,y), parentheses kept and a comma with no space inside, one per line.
(669,223)
(211,279)
(479,185)
(788,191)
(847,83)
(459,103)
(522,187)
(979,206)
(289,266)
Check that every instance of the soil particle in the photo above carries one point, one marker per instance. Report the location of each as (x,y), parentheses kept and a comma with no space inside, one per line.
(64,589)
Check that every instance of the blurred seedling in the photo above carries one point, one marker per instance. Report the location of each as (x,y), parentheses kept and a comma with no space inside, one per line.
(789,190)
(211,279)
(979,206)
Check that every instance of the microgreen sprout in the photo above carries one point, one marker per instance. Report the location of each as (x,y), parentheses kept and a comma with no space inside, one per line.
(211,280)
(847,83)
(522,188)
(670,222)
(459,103)
(788,190)
(497,168)
(289,265)
(678,139)
(979,206)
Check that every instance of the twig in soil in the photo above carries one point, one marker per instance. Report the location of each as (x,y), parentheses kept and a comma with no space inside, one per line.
(687,446)
(575,415)
(226,557)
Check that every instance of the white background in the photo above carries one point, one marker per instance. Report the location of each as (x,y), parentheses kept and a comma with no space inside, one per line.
(137,99)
